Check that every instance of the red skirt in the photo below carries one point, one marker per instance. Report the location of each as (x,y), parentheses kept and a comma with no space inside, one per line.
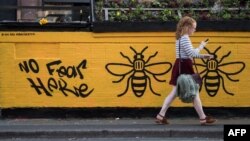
(186,68)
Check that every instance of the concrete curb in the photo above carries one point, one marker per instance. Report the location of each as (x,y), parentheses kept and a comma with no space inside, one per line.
(115,130)
(107,133)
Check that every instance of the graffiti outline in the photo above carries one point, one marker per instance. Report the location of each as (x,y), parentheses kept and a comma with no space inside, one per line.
(214,71)
(138,72)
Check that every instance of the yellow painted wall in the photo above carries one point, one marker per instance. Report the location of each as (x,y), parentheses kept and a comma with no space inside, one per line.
(77,61)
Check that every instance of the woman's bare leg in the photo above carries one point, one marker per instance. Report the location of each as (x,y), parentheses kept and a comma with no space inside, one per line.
(198,106)
(167,102)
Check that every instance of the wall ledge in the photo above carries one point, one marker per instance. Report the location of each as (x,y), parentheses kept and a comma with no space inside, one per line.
(230,25)
(97,27)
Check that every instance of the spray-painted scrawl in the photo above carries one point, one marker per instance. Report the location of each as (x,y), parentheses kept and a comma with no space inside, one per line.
(57,81)
(138,72)
(215,69)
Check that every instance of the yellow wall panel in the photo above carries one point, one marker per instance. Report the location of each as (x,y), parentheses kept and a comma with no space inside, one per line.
(85,69)
(36,50)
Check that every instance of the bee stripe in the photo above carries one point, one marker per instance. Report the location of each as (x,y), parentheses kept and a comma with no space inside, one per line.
(139,85)
(140,89)
(138,65)
(139,81)
(212,84)
(212,80)
(139,93)
(212,65)
(212,91)
(212,77)
(139,78)
(139,74)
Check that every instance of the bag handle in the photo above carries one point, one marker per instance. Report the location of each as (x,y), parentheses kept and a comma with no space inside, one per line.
(179,46)
(195,66)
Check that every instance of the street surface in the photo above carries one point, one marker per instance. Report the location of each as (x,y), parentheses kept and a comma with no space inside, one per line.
(112,139)
(113,129)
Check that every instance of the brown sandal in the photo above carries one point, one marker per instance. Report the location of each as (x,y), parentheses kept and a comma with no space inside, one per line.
(207,120)
(162,120)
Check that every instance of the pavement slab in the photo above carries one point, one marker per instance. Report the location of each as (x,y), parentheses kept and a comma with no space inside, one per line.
(113,127)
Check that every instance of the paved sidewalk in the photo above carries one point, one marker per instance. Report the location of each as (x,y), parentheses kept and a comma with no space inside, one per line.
(78,128)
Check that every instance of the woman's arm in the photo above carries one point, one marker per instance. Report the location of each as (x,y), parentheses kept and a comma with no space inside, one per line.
(188,48)
(193,52)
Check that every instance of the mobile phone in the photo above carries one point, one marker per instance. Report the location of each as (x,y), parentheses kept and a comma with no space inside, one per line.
(206,39)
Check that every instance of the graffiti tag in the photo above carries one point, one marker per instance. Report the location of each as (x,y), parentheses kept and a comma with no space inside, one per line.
(58,73)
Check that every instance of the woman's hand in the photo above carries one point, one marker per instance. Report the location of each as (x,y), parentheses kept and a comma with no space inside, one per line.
(208,56)
(202,45)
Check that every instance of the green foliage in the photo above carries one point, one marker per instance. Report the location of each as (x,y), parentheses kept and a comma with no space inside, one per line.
(167,10)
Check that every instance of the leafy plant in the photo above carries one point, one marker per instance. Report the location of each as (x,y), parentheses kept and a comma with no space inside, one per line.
(166,10)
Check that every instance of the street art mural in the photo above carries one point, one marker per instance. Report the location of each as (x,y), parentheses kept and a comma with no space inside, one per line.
(49,69)
(138,72)
(214,72)
(56,70)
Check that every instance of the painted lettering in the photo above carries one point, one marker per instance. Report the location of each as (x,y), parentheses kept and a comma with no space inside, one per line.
(32,64)
(60,85)
(69,71)
(39,86)
(55,68)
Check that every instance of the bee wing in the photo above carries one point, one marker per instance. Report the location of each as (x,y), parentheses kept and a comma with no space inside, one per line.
(231,68)
(159,68)
(118,69)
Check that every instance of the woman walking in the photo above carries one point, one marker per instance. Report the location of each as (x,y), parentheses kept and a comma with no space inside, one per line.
(185,28)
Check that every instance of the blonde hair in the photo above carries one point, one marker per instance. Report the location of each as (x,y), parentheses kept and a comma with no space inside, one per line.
(183,26)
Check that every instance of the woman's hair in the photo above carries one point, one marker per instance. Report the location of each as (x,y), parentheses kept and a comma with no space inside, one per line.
(183,26)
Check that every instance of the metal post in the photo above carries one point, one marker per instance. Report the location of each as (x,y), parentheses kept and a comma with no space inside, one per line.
(106,14)
(92,11)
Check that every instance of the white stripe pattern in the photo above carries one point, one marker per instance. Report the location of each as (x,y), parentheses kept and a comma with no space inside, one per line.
(187,50)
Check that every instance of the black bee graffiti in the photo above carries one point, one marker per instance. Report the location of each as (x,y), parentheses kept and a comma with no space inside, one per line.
(138,72)
(215,69)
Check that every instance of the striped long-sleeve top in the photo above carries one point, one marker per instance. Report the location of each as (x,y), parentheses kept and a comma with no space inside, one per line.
(186,48)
